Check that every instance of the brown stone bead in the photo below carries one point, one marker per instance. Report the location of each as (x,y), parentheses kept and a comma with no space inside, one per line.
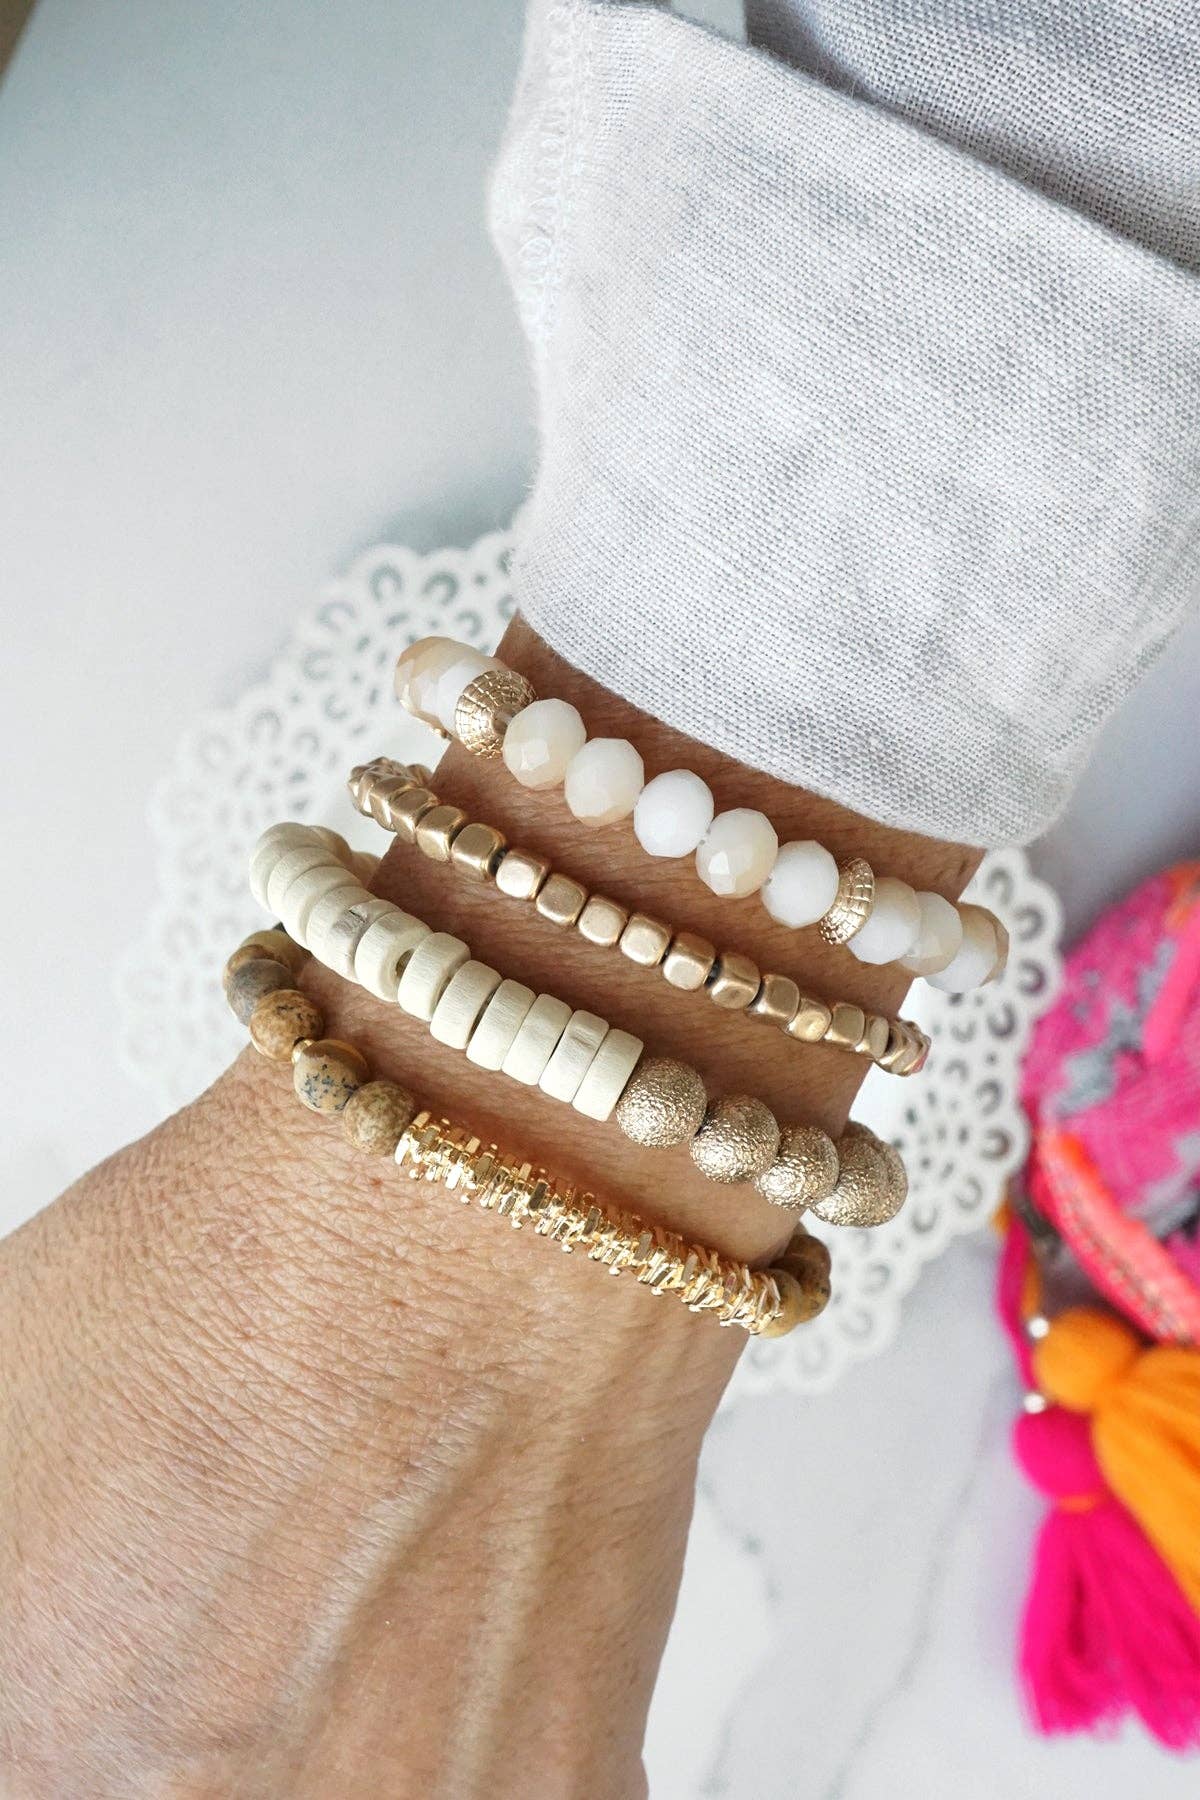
(280,1020)
(274,946)
(248,985)
(808,1260)
(325,1074)
(376,1117)
(799,1305)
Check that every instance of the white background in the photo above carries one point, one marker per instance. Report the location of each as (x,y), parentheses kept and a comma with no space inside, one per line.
(249,324)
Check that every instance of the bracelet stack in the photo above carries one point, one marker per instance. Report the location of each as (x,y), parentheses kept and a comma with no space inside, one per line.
(318,888)
(398,797)
(381,1118)
(493,711)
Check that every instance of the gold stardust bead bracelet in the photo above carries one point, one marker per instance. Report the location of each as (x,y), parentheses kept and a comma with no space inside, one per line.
(568,1054)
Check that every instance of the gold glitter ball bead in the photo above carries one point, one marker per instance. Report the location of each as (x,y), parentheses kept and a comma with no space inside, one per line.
(663,1104)
(485,707)
(866,1187)
(377,1115)
(737,1141)
(805,1168)
(892,1160)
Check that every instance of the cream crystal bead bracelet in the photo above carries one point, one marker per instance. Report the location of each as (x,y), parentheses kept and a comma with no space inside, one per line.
(493,711)
(398,797)
(381,1118)
(307,879)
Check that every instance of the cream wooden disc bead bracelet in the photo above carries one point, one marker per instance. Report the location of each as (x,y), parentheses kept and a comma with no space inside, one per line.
(493,711)
(569,1054)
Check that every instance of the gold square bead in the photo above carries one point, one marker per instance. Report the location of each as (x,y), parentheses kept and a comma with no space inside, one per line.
(476,850)
(602,921)
(776,1001)
(437,830)
(689,960)
(734,982)
(846,1026)
(382,791)
(520,874)
(874,1040)
(810,1021)
(560,900)
(645,941)
(405,812)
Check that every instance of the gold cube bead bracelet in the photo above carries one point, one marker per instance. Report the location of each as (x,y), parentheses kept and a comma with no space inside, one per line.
(686,961)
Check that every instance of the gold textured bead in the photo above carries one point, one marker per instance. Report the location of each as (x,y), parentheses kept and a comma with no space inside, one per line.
(663,1103)
(852,906)
(810,1021)
(846,1025)
(560,900)
(326,1072)
(776,1002)
(601,921)
(645,940)
(734,981)
(281,1020)
(476,851)
(486,707)
(737,1141)
(377,1115)
(520,874)
(249,983)
(688,961)
(865,1194)
(797,1305)
(437,830)
(275,945)
(805,1168)
(407,810)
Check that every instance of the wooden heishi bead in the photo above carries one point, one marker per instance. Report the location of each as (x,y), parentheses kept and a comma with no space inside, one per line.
(463,1000)
(608,1076)
(325,1074)
(383,950)
(280,1020)
(377,1115)
(499,1023)
(427,973)
(341,941)
(306,893)
(573,1056)
(734,981)
(737,1141)
(798,1305)
(537,1036)
(336,843)
(247,986)
(292,864)
(273,844)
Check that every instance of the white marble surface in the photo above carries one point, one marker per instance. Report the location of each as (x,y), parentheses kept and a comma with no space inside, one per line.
(249,323)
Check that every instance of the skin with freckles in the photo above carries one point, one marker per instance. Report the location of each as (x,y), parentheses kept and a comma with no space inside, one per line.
(317,1482)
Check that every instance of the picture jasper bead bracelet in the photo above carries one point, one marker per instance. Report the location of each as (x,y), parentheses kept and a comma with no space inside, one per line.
(570,1055)
(493,711)
(380,1118)
(399,798)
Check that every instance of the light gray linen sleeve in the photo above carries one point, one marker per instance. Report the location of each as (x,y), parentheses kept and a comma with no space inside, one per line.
(869,380)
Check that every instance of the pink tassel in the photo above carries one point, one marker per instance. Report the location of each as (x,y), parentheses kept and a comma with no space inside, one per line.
(1106,1629)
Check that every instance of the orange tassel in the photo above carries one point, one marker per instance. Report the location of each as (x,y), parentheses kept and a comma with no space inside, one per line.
(1145,1417)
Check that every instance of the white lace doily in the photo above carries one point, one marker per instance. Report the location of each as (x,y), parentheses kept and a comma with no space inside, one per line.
(283,752)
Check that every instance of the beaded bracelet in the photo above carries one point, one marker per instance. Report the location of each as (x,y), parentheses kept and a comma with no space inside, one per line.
(570,1055)
(398,797)
(493,711)
(381,1118)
